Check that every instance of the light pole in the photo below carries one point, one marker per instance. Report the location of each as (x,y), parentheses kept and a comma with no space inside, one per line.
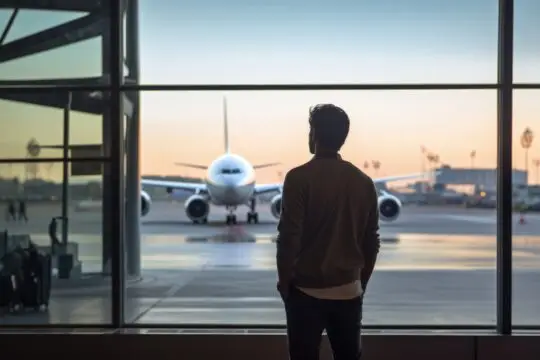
(423,152)
(366,166)
(526,140)
(536,163)
(473,156)
(376,166)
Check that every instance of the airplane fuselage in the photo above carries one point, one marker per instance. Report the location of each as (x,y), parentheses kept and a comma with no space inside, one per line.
(230,181)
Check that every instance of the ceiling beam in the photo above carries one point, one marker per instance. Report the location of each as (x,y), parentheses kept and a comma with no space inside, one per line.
(60,5)
(80,101)
(91,102)
(68,33)
(85,81)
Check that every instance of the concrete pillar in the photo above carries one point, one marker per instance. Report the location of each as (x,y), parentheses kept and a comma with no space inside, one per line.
(133,184)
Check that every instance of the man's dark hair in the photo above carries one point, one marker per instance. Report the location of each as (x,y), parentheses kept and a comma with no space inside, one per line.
(331,125)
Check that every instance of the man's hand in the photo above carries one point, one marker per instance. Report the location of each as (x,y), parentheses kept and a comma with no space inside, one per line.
(283,290)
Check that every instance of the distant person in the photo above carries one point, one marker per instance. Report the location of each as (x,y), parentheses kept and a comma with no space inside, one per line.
(10,214)
(53,232)
(327,244)
(22,210)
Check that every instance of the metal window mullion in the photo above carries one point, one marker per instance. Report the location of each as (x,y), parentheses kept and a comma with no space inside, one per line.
(504,167)
(65,169)
(117,163)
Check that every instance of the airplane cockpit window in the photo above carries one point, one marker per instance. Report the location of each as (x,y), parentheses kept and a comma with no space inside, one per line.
(231,171)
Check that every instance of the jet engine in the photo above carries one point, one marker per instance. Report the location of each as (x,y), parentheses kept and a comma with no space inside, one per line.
(197,208)
(275,206)
(146,201)
(389,207)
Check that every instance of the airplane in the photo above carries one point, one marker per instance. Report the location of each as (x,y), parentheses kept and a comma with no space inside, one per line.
(230,182)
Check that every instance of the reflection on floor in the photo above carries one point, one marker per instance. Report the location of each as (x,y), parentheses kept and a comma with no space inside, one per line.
(228,279)
(226,275)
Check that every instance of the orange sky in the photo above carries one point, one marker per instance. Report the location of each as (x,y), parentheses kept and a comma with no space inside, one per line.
(389,126)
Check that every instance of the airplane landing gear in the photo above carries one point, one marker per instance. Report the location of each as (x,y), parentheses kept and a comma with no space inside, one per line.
(252,215)
(202,221)
(231,217)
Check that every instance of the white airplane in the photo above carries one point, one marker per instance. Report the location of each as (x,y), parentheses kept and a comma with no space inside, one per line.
(230,182)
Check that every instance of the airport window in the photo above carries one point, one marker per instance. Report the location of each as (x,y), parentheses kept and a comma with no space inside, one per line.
(31,196)
(80,59)
(273,41)
(428,124)
(526,45)
(526,206)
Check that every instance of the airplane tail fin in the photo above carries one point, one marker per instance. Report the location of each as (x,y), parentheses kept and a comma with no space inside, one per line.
(225,126)
(260,166)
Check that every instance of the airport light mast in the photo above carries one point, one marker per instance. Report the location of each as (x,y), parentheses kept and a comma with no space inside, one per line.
(526,140)
(536,163)
(376,164)
(473,156)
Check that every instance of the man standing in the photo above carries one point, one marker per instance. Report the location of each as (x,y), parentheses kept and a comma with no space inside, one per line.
(22,210)
(327,244)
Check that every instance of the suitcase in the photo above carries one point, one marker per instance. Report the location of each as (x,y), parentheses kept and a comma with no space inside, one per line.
(10,282)
(36,287)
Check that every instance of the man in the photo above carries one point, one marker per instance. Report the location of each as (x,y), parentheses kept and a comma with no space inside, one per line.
(53,232)
(22,210)
(327,244)
(10,215)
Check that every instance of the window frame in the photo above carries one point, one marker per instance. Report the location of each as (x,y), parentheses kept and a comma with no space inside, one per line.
(117,86)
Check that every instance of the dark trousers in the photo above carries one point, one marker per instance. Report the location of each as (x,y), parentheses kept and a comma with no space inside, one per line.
(307,317)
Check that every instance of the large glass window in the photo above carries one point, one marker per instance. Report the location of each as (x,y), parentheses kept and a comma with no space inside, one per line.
(437,262)
(79,293)
(526,41)
(33,123)
(526,198)
(283,42)
(44,44)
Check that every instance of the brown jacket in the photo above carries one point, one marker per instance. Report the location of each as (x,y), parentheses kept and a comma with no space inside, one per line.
(328,230)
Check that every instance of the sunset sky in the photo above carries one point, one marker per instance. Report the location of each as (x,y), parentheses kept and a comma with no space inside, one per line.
(368,41)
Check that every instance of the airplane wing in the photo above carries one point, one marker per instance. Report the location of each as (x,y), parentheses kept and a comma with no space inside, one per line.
(403,177)
(266,188)
(194,166)
(177,185)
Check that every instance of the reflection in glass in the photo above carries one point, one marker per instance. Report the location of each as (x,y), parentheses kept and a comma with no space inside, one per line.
(34,123)
(526,197)
(81,59)
(437,262)
(375,41)
(79,294)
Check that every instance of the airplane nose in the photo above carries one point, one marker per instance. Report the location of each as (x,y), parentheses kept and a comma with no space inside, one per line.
(229,183)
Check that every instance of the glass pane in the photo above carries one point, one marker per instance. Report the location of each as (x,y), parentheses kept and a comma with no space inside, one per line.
(437,261)
(77,60)
(29,22)
(369,41)
(526,41)
(79,292)
(34,124)
(526,196)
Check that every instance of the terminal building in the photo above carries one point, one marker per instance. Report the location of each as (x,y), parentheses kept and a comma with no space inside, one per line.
(486,179)
(110,291)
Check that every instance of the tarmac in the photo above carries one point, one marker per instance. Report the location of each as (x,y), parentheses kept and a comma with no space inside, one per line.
(436,267)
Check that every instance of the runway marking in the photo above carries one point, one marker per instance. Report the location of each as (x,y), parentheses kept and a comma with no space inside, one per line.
(216,310)
(468,218)
(227,300)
